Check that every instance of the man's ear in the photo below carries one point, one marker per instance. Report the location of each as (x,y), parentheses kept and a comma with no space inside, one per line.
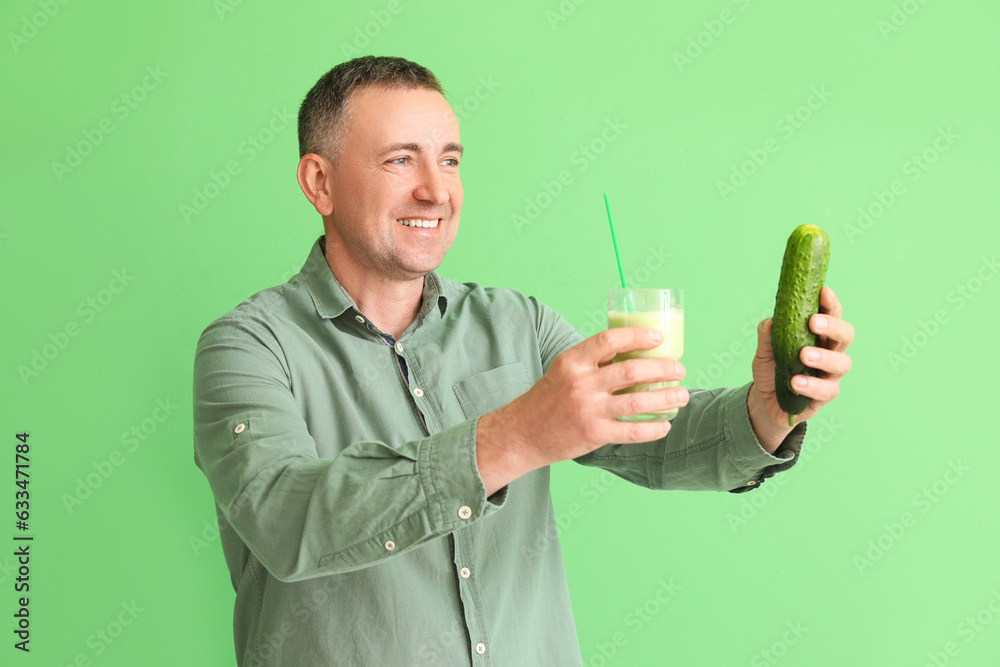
(314,175)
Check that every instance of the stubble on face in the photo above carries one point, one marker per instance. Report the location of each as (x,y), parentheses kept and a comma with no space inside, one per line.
(373,189)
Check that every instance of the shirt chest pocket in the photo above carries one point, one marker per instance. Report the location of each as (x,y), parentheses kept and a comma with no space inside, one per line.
(492,389)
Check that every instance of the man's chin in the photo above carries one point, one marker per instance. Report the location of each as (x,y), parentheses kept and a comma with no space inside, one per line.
(414,270)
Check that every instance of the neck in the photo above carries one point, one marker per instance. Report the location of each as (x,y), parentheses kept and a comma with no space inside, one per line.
(391,305)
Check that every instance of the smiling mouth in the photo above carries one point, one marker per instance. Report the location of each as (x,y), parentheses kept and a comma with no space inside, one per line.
(419,222)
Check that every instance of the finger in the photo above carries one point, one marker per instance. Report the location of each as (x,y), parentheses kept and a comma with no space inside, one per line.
(821,389)
(628,432)
(835,333)
(641,402)
(635,371)
(601,348)
(764,339)
(834,364)
(829,303)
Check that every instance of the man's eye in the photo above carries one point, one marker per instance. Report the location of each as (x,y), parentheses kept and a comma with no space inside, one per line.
(451,162)
(399,160)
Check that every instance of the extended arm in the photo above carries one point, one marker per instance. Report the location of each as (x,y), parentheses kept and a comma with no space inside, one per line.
(303,516)
(571,413)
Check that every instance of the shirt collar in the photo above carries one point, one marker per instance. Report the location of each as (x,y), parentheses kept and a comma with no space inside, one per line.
(332,300)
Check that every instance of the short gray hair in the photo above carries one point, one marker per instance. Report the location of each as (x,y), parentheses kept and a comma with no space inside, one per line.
(323,113)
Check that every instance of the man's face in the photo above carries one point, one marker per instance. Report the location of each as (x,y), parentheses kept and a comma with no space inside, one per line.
(398,161)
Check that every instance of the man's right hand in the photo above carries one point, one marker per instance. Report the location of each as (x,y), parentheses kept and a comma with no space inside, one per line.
(571,411)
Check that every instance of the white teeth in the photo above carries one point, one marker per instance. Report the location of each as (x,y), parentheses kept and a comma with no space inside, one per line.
(417,222)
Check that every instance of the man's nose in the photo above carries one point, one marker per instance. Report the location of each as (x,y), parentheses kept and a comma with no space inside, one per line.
(431,185)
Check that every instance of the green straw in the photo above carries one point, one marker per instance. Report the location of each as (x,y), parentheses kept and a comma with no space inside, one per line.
(618,254)
(614,239)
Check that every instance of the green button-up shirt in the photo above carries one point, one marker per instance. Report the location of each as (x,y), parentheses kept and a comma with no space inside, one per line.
(352,515)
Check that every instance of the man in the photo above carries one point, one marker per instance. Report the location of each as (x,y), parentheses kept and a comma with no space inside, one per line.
(378,438)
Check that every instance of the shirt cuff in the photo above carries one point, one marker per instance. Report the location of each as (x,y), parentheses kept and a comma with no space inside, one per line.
(450,474)
(746,452)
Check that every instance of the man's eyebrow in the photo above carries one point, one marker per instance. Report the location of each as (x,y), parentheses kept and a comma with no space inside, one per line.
(417,148)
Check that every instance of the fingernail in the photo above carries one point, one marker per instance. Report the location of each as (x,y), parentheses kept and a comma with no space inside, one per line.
(682,395)
(678,369)
(656,335)
(812,355)
(819,322)
(799,382)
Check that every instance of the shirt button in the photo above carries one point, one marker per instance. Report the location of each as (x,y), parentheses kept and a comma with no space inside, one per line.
(399,347)
(359,319)
(480,648)
(465,572)
(240,428)
(389,545)
(418,392)
(752,482)
(464,512)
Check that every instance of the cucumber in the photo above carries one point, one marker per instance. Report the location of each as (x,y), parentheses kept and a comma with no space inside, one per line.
(803,270)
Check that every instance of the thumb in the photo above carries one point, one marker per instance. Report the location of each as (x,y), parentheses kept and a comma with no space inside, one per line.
(764,339)
(762,366)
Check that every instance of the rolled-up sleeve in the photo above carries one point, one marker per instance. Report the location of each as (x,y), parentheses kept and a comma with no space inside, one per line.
(301,515)
(711,446)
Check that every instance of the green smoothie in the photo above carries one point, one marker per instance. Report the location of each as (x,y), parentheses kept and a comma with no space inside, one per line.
(671,323)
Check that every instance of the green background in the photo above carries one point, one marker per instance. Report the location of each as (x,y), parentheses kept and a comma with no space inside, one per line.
(873,548)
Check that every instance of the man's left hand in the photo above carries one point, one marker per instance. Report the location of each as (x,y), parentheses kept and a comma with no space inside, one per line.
(829,357)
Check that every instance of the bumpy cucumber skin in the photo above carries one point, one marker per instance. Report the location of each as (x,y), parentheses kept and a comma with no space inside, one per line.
(803,272)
